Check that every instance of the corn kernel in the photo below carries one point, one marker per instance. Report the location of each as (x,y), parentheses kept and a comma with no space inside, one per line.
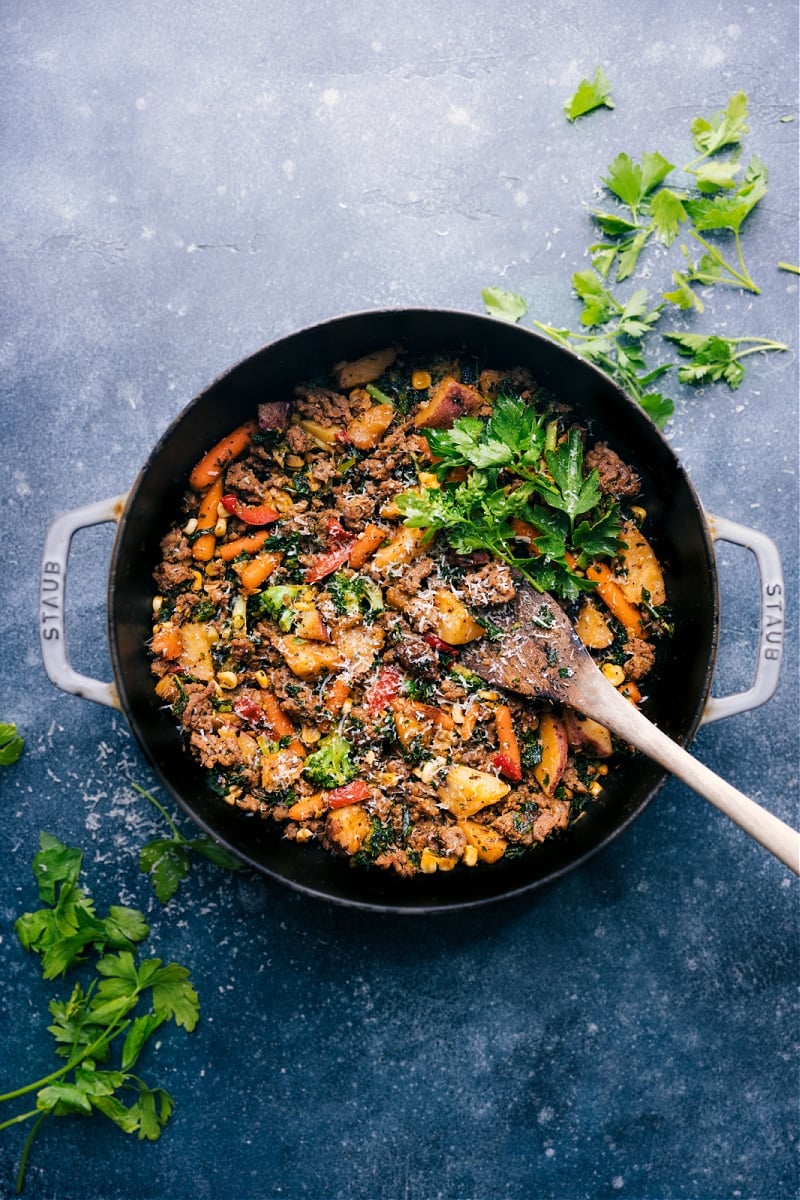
(303,835)
(262,679)
(221,527)
(227,679)
(613,673)
(420,380)
(197,581)
(157,602)
(428,862)
(239,612)
(595,788)
(639,514)
(190,526)
(294,461)
(470,856)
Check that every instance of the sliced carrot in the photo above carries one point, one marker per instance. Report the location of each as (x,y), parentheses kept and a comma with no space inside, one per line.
(630,691)
(254,572)
(215,460)
(278,721)
(336,694)
(422,712)
(203,548)
(612,596)
(167,642)
(249,544)
(507,744)
(526,532)
(366,545)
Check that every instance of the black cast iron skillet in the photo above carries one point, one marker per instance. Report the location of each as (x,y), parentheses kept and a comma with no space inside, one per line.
(677,691)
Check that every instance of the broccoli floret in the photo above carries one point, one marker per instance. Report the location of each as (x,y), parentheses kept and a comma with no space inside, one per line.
(331,765)
(355,594)
(276,602)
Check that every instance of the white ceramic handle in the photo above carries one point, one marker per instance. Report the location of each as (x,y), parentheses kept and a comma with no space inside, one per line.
(52,589)
(770,640)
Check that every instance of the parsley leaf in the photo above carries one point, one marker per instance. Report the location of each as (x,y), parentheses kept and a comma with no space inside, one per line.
(714,357)
(722,129)
(95,1020)
(573,494)
(167,860)
(511,457)
(11,744)
(508,306)
(590,94)
(631,182)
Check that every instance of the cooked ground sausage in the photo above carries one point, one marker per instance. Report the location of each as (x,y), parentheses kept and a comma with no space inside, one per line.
(308,642)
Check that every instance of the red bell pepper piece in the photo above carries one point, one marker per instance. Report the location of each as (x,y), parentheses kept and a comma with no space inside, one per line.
(339,545)
(251,712)
(383,690)
(351,793)
(506,766)
(438,644)
(260,514)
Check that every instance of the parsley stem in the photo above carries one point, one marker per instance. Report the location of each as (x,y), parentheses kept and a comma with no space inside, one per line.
(742,277)
(762,345)
(107,1036)
(176,833)
(19,1119)
(26,1149)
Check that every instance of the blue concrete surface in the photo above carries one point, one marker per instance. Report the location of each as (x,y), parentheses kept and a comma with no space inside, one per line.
(182,183)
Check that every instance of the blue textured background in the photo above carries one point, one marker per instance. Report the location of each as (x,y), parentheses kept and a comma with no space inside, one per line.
(180,184)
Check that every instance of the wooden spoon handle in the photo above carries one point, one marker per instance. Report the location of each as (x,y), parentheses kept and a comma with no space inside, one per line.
(605,704)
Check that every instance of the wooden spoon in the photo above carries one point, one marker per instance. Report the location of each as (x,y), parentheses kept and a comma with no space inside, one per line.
(539,654)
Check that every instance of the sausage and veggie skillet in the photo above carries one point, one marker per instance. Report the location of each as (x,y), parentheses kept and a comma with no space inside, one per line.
(333,555)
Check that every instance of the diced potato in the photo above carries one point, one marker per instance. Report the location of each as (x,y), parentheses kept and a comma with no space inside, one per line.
(465,791)
(307,659)
(347,827)
(367,430)
(280,770)
(248,746)
(453,622)
(398,552)
(640,568)
(450,400)
(195,656)
(359,646)
(587,734)
(167,689)
(414,720)
(592,627)
(363,370)
(309,624)
(553,738)
(410,726)
(487,842)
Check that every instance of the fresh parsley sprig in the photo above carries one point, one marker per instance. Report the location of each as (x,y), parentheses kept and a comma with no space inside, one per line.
(614,330)
(167,860)
(104,1017)
(713,357)
(518,469)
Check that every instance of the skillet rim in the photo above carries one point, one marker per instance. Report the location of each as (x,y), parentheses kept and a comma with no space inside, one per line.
(322,331)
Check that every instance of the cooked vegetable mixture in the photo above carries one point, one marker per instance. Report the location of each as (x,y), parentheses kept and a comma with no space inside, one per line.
(334,554)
